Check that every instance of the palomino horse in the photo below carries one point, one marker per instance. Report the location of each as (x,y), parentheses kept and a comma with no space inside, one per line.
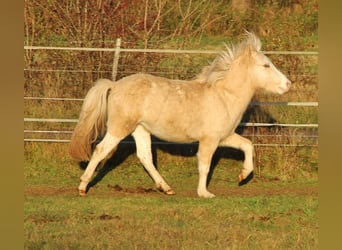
(206,110)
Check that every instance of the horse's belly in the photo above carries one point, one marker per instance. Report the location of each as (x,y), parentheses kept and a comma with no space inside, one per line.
(170,132)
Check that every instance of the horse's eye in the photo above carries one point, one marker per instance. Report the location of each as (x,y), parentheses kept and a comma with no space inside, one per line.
(266,65)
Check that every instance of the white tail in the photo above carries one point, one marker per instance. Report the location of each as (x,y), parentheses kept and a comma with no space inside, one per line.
(92,121)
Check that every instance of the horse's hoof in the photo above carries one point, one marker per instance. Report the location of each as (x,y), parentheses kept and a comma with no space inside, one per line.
(240,178)
(82,193)
(243,181)
(206,195)
(170,192)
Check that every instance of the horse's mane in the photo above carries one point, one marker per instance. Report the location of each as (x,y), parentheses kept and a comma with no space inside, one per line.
(221,64)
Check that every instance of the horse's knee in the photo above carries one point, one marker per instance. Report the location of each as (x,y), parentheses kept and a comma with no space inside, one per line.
(247,145)
(203,168)
(246,173)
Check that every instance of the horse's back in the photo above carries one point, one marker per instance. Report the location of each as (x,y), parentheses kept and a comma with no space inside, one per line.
(170,109)
(152,88)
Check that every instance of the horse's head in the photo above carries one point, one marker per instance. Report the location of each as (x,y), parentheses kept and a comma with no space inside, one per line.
(263,74)
(245,60)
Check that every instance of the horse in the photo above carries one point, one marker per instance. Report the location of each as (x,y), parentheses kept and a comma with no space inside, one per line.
(206,110)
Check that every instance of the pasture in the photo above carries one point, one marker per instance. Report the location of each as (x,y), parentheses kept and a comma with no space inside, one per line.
(123,210)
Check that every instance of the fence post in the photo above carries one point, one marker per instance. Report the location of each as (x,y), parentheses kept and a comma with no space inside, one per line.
(116,58)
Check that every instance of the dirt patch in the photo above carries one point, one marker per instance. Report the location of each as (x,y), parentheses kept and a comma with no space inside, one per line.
(245,191)
(262,191)
(138,190)
(37,191)
(109,217)
(50,191)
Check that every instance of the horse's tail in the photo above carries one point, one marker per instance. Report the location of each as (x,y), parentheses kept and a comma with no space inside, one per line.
(92,121)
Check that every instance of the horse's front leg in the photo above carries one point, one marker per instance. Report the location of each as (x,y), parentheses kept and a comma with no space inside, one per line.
(239,142)
(205,153)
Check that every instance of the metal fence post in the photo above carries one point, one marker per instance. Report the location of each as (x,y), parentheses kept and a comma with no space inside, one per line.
(116,58)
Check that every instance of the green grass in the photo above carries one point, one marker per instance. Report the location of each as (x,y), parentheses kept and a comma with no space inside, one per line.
(160,222)
(277,210)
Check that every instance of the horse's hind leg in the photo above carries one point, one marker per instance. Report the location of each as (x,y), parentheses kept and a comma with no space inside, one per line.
(106,147)
(143,143)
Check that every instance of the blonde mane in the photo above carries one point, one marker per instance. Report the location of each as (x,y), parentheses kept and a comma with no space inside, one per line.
(220,66)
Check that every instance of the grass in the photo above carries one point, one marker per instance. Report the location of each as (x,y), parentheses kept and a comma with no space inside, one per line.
(271,212)
(160,222)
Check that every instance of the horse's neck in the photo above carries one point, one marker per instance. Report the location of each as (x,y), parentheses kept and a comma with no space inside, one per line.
(236,93)
(238,90)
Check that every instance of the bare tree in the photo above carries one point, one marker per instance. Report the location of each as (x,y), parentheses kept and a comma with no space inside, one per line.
(152,18)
